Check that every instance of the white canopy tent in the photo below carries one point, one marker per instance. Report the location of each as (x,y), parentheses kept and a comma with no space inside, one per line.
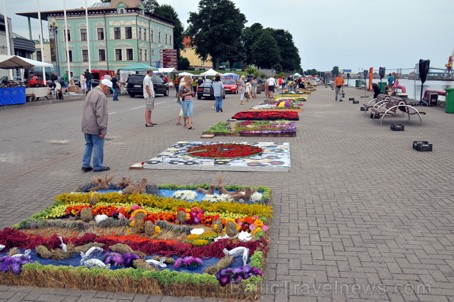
(166,70)
(11,62)
(182,74)
(209,73)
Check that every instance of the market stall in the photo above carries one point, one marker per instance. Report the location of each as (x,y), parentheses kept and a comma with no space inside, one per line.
(17,95)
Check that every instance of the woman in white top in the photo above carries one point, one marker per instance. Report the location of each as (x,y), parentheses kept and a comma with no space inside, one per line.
(83,83)
(242,86)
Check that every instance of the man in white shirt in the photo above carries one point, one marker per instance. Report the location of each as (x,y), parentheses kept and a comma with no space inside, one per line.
(148,94)
(271,84)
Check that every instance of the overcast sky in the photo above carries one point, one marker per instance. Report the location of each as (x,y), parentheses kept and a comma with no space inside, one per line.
(352,34)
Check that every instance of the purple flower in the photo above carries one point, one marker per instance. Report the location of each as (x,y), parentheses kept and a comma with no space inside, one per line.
(178,263)
(188,260)
(223,281)
(198,261)
(113,258)
(128,258)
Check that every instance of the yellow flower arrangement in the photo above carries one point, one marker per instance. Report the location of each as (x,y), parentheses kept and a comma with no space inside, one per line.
(157,229)
(258,223)
(256,231)
(170,204)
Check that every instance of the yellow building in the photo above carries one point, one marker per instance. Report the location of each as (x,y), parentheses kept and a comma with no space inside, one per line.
(194,60)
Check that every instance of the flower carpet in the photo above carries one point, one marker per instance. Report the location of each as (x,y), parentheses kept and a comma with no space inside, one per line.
(275,157)
(269,115)
(275,107)
(254,128)
(209,240)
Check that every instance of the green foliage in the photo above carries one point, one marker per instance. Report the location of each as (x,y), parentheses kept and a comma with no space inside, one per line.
(257,260)
(249,36)
(165,277)
(215,29)
(183,63)
(335,71)
(149,5)
(167,12)
(290,59)
(219,128)
(266,51)
(251,284)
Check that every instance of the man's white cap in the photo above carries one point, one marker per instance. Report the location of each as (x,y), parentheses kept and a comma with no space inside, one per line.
(107,83)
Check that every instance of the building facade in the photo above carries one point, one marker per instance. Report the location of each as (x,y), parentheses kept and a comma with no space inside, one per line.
(119,33)
(194,59)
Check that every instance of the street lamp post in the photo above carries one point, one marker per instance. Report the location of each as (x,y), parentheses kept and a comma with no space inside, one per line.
(53,27)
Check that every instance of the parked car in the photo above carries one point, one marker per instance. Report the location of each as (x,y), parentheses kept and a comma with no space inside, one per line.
(134,85)
(206,91)
(230,86)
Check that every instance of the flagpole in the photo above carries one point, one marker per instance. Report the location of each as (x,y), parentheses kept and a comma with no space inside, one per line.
(8,45)
(67,43)
(88,35)
(41,41)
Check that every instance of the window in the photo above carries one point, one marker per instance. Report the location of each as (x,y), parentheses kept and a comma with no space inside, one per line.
(128,31)
(152,36)
(39,56)
(152,52)
(129,54)
(118,55)
(70,56)
(122,11)
(69,34)
(100,33)
(159,37)
(102,54)
(83,34)
(144,34)
(170,40)
(166,38)
(146,55)
(84,55)
(140,34)
(140,54)
(117,33)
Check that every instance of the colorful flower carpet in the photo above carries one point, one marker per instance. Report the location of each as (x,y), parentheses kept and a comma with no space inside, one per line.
(209,240)
(275,157)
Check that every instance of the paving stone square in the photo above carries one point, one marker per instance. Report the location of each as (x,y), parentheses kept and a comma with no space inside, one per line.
(361,216)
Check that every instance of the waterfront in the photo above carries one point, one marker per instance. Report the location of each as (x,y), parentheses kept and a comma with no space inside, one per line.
(414,86)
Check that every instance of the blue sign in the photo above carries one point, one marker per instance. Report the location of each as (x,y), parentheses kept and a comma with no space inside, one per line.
(12,96)
(158,64)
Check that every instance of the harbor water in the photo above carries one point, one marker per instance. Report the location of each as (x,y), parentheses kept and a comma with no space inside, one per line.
(414,86)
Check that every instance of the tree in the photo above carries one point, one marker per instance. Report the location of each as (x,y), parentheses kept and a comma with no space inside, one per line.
(265,51)
(335,71)
(290,59)
(312,72)
(183,63)
(250,35)
(215,29)
(167,12)
(149,5)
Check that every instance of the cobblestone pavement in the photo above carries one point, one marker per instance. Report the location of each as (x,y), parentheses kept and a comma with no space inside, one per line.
(360,217)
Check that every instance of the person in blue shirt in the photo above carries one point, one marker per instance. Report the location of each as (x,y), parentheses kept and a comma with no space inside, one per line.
(390,80)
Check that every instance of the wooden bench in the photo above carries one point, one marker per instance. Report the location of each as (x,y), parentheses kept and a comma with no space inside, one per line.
(389,108)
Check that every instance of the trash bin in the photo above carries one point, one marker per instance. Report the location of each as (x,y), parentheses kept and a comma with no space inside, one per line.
(449,100)
(382,86)
(358,83)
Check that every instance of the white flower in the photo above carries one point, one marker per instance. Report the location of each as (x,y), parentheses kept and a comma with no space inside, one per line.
(185,194)
(217,197)
(256,197)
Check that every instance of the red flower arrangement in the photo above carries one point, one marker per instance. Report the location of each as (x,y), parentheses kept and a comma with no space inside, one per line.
(267,115)
(224,150)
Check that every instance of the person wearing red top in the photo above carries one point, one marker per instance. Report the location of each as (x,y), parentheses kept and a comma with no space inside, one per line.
(33,82)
